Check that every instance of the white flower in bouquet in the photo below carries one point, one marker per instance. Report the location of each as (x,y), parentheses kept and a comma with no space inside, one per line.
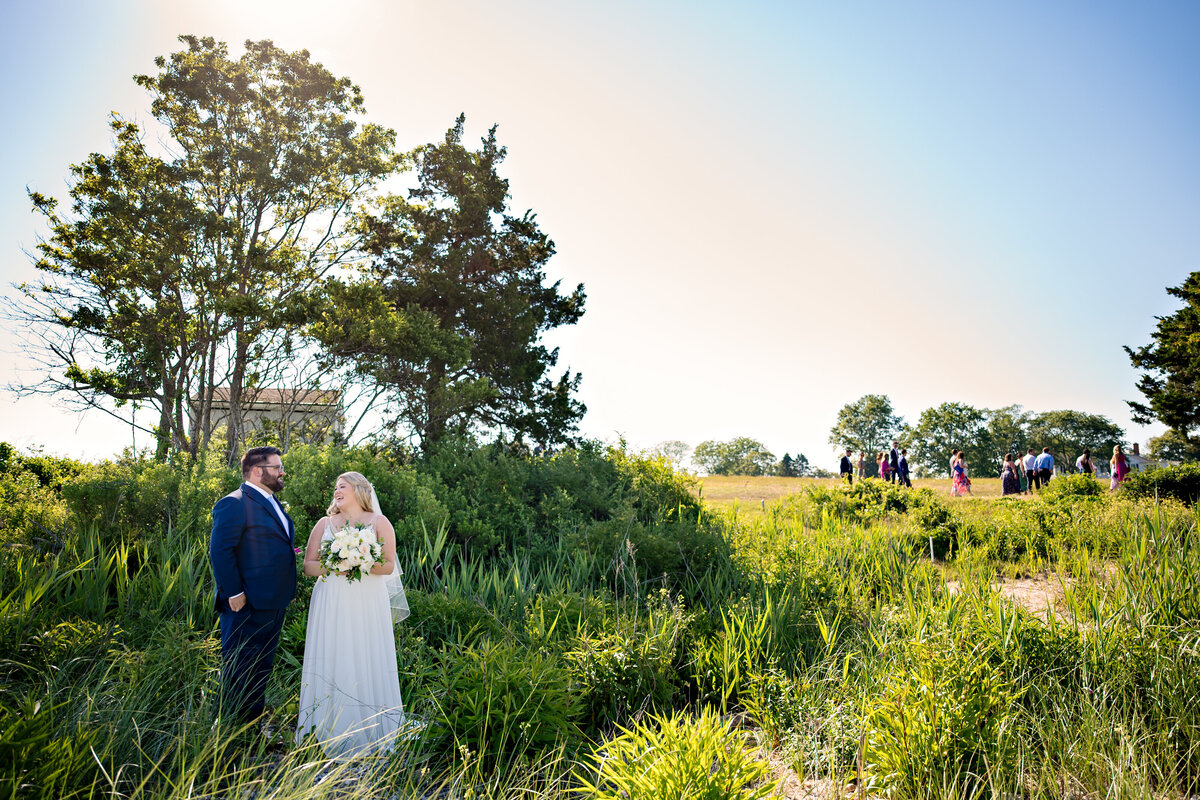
(354,549)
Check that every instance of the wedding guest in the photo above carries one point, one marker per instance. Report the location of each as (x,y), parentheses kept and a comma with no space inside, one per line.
(845,469)
(862,464)
(1031,470)
(1083,464)
(954,454)
(902,469)
(1009,482)
(1119,468)
(1045,466)
(885,468)
(894,461)
(962,480)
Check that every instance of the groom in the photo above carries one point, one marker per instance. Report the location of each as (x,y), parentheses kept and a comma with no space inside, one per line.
(255,570)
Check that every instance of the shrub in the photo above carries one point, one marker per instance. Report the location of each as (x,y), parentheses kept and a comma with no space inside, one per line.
(653,551)
(405,496)
(30,513)
(949,710)
(1181,482)
(498,703)
(1071,487)
(620,675)
(50,471)
(444,619)
(677,758)
(136,497)
(499,500)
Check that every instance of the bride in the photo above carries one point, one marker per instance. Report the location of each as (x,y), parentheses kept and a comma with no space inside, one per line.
(349,685)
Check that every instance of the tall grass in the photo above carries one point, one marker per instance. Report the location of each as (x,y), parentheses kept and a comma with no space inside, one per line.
(821,623)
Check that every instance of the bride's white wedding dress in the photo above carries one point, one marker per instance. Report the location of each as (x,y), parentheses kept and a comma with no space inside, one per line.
(349,685)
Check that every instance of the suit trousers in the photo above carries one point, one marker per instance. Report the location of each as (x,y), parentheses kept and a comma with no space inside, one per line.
(248,642)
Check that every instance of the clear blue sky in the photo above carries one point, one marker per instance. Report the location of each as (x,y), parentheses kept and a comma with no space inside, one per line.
(775,207)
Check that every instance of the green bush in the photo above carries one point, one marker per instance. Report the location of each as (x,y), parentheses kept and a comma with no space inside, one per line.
(136,497)
(948,715)
(497,702)
(1071,487)
(499,500)
(441,619)
(677,757)
(50,471)
(1181,483)
(31,507)
(620,675)
(31,513)
(406,497)
(632,553)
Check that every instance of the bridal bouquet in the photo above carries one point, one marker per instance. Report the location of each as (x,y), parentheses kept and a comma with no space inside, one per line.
(354,549)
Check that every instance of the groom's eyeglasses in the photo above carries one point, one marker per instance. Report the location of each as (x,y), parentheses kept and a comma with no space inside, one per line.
(272,466)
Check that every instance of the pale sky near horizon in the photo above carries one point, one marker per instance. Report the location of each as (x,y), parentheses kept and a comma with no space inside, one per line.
(775,208)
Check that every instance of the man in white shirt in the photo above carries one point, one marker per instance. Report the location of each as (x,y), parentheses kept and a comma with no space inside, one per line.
(1031,472)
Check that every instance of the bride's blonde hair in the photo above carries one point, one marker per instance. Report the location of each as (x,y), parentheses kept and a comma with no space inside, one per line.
(362,492)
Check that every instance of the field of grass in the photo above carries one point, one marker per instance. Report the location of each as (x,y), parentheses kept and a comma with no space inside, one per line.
(751,492)
(649,649)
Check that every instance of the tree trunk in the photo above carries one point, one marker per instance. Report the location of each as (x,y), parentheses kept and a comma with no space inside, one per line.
(235,432)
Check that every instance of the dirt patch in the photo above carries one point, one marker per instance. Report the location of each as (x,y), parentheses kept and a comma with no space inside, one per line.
(1041,595)
(791,787)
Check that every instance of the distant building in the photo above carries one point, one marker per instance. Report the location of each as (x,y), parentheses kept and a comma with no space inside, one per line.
(309,416)
(1140,463)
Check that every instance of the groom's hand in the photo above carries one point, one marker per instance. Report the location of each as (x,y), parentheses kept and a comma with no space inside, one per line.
(237,603)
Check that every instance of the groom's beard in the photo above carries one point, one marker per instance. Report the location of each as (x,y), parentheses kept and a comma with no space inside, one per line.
(274,483)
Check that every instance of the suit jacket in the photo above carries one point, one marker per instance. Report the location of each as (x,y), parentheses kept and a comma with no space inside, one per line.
(894,459)
(845,465)
(903,465)
(251,551)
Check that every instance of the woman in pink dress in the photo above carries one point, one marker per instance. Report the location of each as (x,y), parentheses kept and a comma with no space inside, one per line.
(885,467)
(1119,468)
(962,481)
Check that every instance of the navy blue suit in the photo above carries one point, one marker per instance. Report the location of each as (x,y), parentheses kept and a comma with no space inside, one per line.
(251,552)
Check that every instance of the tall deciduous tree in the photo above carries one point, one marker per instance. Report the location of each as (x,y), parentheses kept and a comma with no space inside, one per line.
(738,456)
(1171,383)
(1067,433)
(675,452)
(867,425)
(1008,431)
(112,317)
(1172,446)
(950,426)
(171,273)
(448,318)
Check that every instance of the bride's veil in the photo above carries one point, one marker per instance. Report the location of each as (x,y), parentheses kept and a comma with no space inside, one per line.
(395,587)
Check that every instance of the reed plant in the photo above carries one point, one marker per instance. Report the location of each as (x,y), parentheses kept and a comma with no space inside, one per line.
(828,625)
